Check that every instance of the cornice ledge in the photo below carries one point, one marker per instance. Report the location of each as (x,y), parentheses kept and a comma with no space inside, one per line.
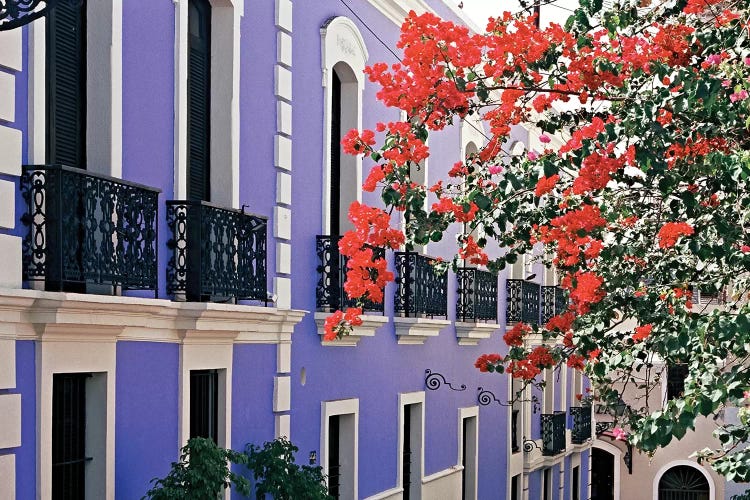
(472,333)
(397,10)
(370,324)
(414,331)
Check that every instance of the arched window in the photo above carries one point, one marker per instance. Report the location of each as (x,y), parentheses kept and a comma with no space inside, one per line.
(684,483)
(344,59)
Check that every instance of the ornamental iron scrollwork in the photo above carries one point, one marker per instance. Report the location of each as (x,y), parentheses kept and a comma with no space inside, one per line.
(17,13)
(434,380)
(523,301)
(88,231)
(476,295)
(422,290)
(581,431)
(529,445)
(553,433)
(485,397)
(332,268)
(554,302)
(218,253)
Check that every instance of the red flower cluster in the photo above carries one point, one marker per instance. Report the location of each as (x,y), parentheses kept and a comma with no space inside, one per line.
(546,184)
(355,144)
(671,232)
(596,172)
(338,323)
(585,290)
(472,252)
(487,359)
(642,332)
(576,361)
(462,213)
(570,232)
(514,336)
(562,322)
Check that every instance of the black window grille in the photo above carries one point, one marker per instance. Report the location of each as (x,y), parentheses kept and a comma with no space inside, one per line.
(522,301)
(88,232)
(476,295)
(421,291)
(218,253)
(199,101)
(406,454)
(69,436)
(332,268)
(66,84)
(683,483)
(553,433)
(334,456)
(676,375)
(554,302)
(204,404)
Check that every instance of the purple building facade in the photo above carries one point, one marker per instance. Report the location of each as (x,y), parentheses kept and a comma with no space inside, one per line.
(171,190)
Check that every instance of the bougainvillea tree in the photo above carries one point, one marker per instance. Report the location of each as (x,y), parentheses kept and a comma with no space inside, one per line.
(646,202)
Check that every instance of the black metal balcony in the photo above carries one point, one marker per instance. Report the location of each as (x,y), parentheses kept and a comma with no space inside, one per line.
(554,302)
(477,295)
(553,433)
(581,424)
(88,232)
(219,253)
(329,292)
(523,302)
(422,291)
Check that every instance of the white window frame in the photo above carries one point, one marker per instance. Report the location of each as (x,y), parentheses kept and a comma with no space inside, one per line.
(405,399)
(225,101)
(341,407)
(103,89)
(464,414)
(341,43)
(68,354)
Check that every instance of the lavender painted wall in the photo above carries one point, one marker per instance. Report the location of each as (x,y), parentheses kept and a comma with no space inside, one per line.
(146,414)
(253,369)
(26,386)
(585,473)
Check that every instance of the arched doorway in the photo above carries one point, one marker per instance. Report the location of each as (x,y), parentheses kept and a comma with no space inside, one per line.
(602,475)
(684,482)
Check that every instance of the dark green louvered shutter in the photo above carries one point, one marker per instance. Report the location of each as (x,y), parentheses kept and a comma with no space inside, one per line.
(335,155)
(66,85)
(199,100)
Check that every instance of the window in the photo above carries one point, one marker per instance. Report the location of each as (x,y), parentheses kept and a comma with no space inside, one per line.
(547,484)
(339,456)
(66,85)
(515,487)
(676,375)
(411,423)
(516,410)
(344,59)
(575,487)
(69,436)
(204,404)
(199,100)
(407,471)
(684,482)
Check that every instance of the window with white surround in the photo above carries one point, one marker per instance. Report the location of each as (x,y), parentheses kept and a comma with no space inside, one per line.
(75,87)
(411,444)
(344,58)
(339,447)
(547,484)
(207,100)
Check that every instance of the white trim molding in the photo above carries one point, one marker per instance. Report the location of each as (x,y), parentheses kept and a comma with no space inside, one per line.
(472,333)
(397,10)
(343,47)
(370,324)
(689,463)
(417,330)
(350,456)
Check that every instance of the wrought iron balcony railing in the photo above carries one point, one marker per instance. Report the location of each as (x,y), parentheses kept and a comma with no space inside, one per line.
(219,253)
(88,232)
(477,295)
(329,292)
(554,302)
(581,424)
(710,296)
(553,433)
(523,301)
(422,291)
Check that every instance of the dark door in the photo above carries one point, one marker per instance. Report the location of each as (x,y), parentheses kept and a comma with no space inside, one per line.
(406,467)
(334,456)
(464,463)
(602,475)
(199,101)
(66,84)
(335,203)
(69,436)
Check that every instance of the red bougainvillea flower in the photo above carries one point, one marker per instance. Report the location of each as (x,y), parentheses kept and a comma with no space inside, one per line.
(576,361)
(671,232)
(355,144)
(585,290)
(472,252)
(487,359)
(642,332)
(546,184)
(561,322)
(514,336)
